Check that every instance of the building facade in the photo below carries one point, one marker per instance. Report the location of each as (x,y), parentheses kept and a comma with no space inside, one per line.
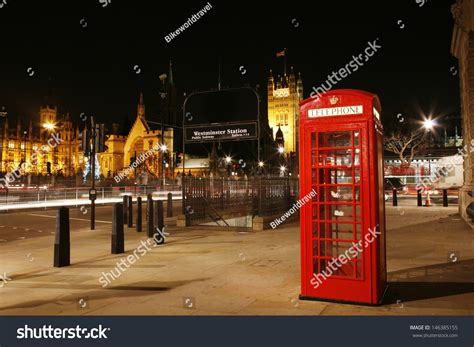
(150,142)
(19,143)
(462,47)
(284,95)
(50,145)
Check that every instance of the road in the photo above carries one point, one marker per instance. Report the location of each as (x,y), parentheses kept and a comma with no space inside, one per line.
(41,222)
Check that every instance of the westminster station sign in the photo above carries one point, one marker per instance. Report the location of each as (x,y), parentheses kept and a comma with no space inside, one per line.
(222,132)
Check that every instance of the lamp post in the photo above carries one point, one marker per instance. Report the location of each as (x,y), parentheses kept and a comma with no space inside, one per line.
(261,165)
(163,150)
(3,115)
(429,124)
(281,151)
(228,162)
(50,127)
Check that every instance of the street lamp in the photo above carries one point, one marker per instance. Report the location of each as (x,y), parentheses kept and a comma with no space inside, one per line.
(261,164)
(163,150)
(281,149)
(3,115)
(228,159)
(429,124)
(49,126)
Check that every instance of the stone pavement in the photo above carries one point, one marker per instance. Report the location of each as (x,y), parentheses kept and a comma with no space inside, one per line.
(217,271)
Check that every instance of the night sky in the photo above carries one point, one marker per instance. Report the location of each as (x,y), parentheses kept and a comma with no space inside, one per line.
(92,68)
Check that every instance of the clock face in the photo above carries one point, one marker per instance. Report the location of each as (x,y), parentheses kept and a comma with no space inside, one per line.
(281,93)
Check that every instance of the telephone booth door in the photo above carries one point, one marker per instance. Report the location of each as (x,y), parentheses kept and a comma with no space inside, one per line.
(337,162)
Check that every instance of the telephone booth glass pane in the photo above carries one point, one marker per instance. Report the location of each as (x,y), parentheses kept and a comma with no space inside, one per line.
(337,213)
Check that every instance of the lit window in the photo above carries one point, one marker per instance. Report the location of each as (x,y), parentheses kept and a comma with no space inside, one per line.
(35,147)
(11,144)
(22,146)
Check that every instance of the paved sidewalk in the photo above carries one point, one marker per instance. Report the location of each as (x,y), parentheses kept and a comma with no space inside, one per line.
(216,271)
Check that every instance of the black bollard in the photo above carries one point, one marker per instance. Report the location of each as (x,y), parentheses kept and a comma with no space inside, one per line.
(445,197)
(130,212)
(62,245)
(155,212)
(160,221)
(395,198)
(169,205)
(139,213)
(118,244)
(159,236)
(149,211)
(125,209)
(419,197)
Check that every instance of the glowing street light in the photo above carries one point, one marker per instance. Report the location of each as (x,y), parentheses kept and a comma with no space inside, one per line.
(49,126)
(282,168)
(429,124)
(228,159)
(261,164)
(163,148)
(281,150)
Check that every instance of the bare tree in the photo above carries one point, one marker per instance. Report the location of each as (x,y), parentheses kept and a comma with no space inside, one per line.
(406,146)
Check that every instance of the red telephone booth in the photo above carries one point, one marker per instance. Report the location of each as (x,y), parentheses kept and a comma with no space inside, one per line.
(343,225)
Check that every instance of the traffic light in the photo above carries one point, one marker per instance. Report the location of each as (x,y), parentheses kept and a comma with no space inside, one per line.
(100,138)
(179,159)
(166,157)
(84,142)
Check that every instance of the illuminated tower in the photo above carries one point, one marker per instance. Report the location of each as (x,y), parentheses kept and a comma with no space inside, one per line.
(141,107)
(48,113)
(284,95)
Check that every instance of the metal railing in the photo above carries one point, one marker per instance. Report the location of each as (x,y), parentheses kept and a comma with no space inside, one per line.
(207,198)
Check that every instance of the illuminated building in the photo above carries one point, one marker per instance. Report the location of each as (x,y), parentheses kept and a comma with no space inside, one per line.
(66,159)
(284,96)
(20,143)
(461,47)
(142,138)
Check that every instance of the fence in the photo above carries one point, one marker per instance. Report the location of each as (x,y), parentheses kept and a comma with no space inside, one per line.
(223,198)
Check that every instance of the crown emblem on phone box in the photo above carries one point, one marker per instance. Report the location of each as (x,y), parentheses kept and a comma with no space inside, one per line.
(333,100)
